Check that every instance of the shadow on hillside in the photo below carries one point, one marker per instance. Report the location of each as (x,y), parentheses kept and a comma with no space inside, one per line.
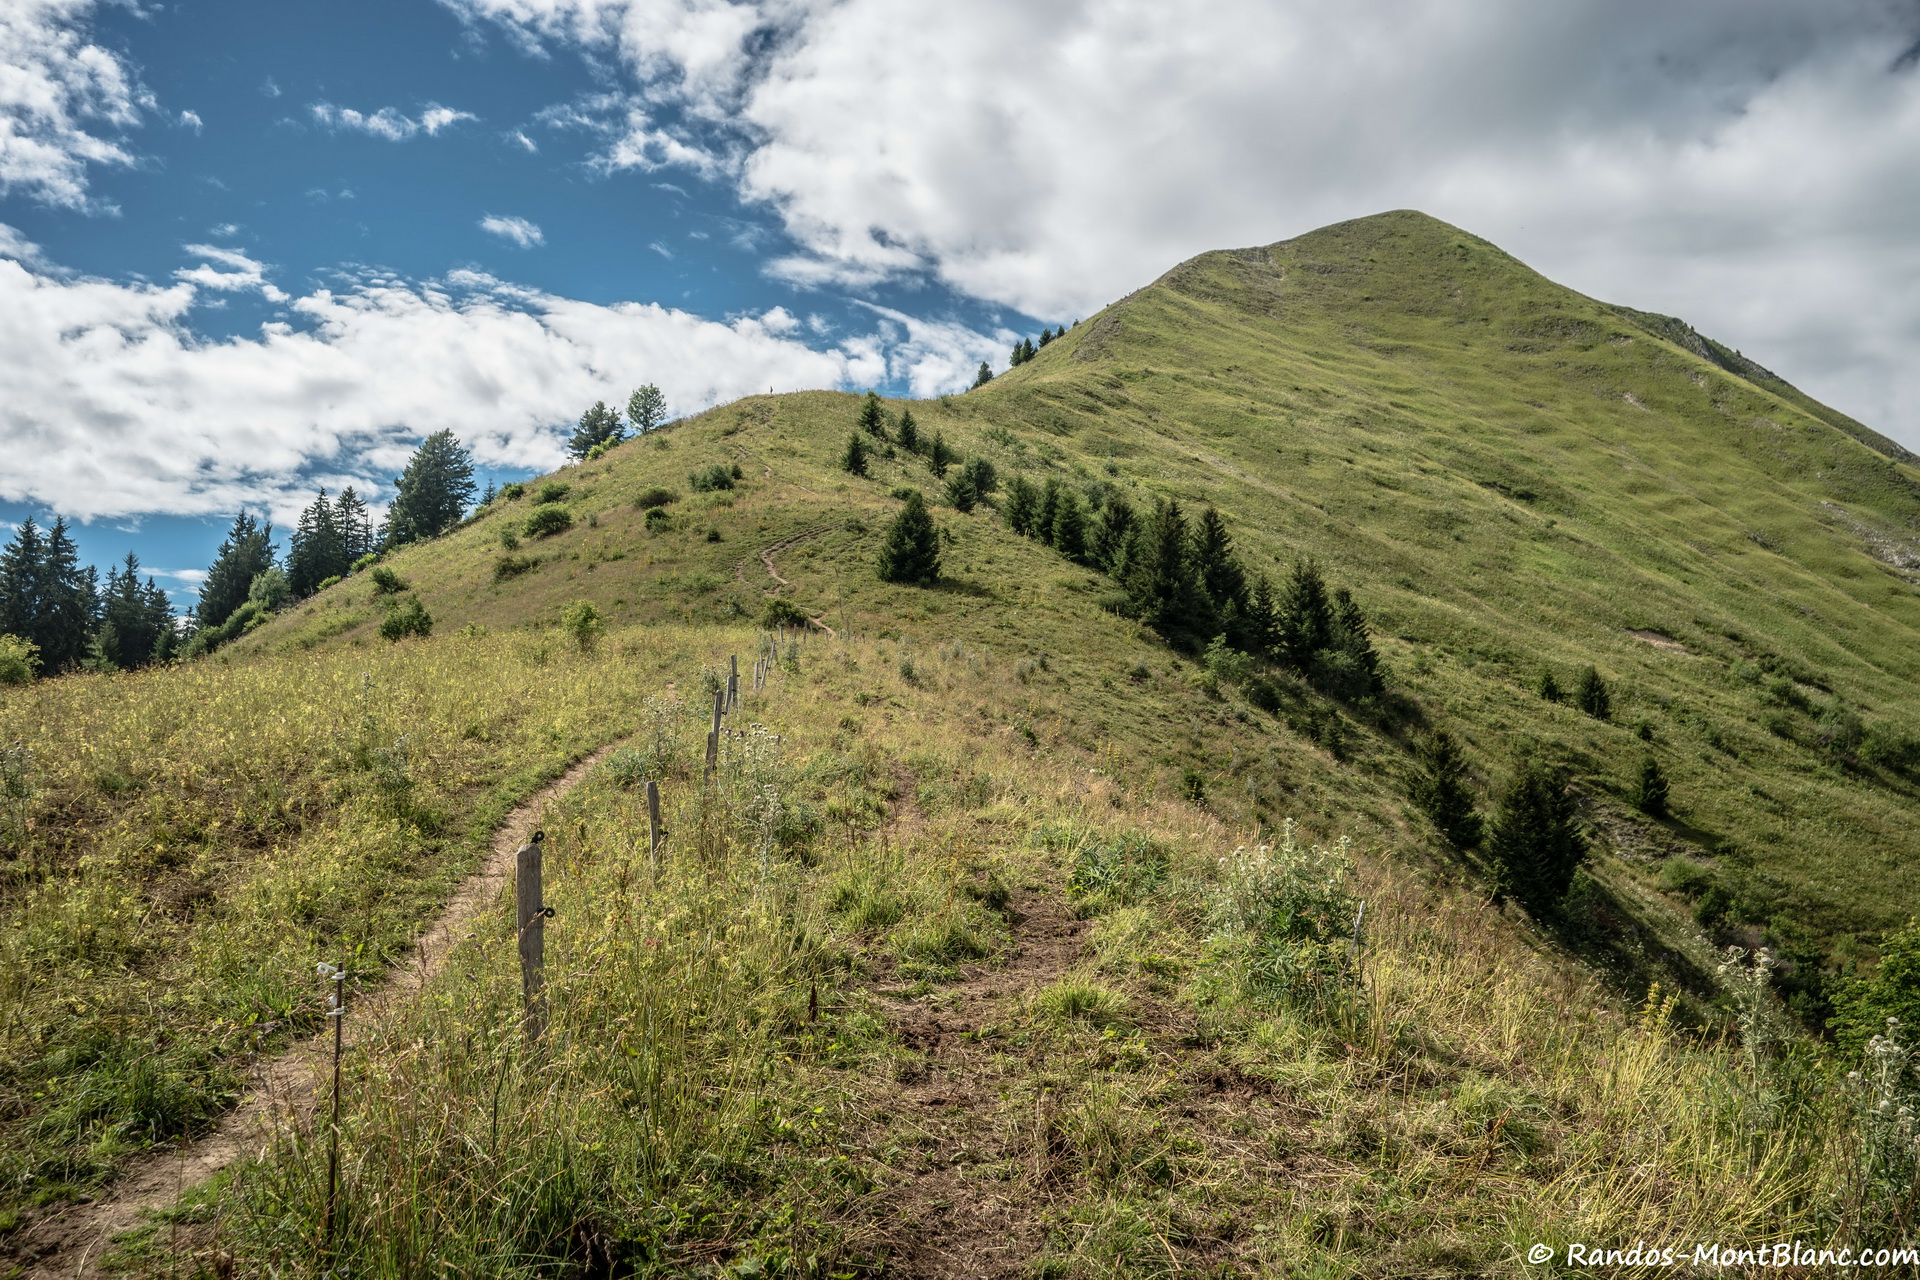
(964,587)
(1622,944)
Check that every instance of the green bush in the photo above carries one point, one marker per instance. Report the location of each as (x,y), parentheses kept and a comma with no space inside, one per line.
(1286,917)
(583,623)
(270,590)
(655,496)
(386,582)
(510,492)
(783,613)
(327,582)
(409,619)
(657,520)
(512,566)
(709,479)
(365,562)
(552,491)
(19,660)
(546,520)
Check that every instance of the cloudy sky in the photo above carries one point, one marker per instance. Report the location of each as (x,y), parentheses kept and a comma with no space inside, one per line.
(251,248)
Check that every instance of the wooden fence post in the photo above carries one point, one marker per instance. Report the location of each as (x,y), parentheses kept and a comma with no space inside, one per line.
(531,914)
(733,682)
(655,832)
(713,734)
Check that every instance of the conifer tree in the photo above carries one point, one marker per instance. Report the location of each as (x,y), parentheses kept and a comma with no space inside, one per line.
(1069,528)
(1045,510)
(939,456)
(318,549)
(1110,535)
(960,493)
(981,474)
(598,425)
(1304,616)
(1019,355)
(135,622)
(912,549)
(646,410)
(433,492)
(1160,577)
(1439,786)
(46,598)
(486,498)
(1592,696)
(982,377)
(1353,637)
(21,567)
(1651,792)
(355,522)
(1536,843)
(1548,687)
(1046,336)
(1020,506)
(873,417)
(853,459)
(246,553)
(909,431)
(1263,630)
(1221,576)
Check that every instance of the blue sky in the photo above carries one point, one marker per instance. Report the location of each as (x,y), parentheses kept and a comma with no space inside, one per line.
(251,248)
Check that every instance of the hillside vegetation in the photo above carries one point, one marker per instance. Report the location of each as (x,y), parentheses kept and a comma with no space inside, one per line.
(1010,937)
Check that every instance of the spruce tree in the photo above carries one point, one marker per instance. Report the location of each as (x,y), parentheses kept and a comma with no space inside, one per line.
(1439,786)
(1263,629)
(982,377)
(1046,336)
(355,523)
(939,456)
(1353,637)
(68,602)
(1548,687)
(912,549)
(1536,843)
(853,458)
(1019,355)
(873,417)
(646,410)
(1160,576)
(1107,546)
(1069,526)
(318,549)
(1020,505)
(1045,509)
(909,432)
(960,493)
(598,425)
(135,621)
(1303,616)
(20,575)
(1592,696)
(1221,576)
(981,472)
(245,554)
(1650,790)
(433,492)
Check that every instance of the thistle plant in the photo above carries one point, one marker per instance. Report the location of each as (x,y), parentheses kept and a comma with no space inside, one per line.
(1887,1186)
(1759,1022)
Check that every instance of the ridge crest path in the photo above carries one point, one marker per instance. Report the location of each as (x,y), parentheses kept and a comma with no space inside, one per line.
(70,1243)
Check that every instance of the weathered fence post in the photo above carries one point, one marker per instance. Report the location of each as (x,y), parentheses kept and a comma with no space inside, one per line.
(531,914)
(655,832)
(733,682)
(713,734)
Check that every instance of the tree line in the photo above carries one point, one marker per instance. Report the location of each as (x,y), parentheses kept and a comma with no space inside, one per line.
(600,427)
(56,615)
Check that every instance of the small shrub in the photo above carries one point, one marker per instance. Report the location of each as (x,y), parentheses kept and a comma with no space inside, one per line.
(1650,790)
(1117,871)
(710,479)
(583,622)
(327,582)
(365,562)
(1286,916)
(552,491)
(512,566)
(781,612)
(1193,785)
(510,492)
(386,582)
(656,520)
(713,535)
(1076,1000)
(546,520)
(409,619)
(509,538)
(654,496)
(19,660)
(271,591)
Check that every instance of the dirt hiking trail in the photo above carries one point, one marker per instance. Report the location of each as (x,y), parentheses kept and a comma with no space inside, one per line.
(71,1241)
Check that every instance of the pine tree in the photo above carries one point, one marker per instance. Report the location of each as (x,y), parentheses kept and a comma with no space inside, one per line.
(982,475)
(1263,629)
(1536,843)
(1303,616)
(351,517)
(246,553)
(1221,576)
(1592,696)
(1045,510)
(1353,637)
(134,620)
(1650,790)
(62,597)
(1439,786)
(646,410)
(909,432)
(873,417)
(853,459)
(982,377)
(939,456)
(1110,535)
(1549,688)
(1020,506)
(1069,526)
(598,425)
(1019,355)
(912,550)
(1046,336)
(1160,577)
(318,549)
(21,568)
(486,498)
(433,492)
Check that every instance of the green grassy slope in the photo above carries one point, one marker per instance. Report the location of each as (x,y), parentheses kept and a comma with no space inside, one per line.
(1511,476)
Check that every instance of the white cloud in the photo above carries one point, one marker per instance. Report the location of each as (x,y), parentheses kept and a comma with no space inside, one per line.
(243,274)
(524,141)
(519,230)
(1748,164)
(63,102)
(109,405)
(190,120)
(16,246)
(388,123)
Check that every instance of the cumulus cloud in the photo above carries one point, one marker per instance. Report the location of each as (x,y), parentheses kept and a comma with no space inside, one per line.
(1745,163)
(242,273)
(110,405)
(388,122)
(64,102)
(519,230)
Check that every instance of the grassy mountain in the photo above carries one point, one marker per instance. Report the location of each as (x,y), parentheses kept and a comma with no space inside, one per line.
(967,960)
